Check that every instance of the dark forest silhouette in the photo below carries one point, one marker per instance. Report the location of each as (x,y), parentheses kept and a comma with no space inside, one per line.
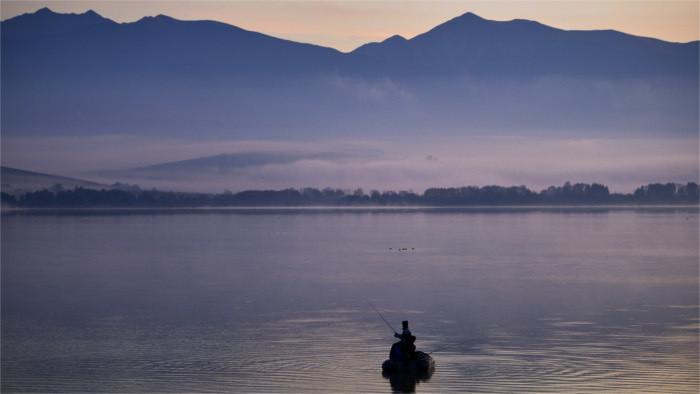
(568,194)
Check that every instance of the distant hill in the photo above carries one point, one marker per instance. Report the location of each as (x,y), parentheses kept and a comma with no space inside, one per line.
(523,48)
(224,164)
(82,74)
(14,180)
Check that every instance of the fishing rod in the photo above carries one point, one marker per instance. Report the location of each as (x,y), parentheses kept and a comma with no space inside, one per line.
(380,315)
(450,346)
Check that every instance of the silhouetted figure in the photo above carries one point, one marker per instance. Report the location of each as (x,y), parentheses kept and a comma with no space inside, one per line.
(406,333)
(406,347)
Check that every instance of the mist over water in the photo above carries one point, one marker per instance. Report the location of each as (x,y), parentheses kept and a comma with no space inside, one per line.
(390,163)
(548,299)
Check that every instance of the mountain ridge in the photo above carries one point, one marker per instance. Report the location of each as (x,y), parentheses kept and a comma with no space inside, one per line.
(83,74)
(466,17)
(461,40)
(467,43)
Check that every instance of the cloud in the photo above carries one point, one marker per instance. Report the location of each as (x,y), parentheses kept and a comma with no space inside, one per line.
(382,91)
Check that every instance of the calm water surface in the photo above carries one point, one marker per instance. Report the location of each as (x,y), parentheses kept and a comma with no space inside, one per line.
(579,299)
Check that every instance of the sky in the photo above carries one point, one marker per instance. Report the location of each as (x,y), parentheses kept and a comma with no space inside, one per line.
(345,25)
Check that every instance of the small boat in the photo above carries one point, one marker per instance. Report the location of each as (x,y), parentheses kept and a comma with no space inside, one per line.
(420,362)
(404,375)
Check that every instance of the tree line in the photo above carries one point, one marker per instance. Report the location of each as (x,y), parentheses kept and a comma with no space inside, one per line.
(568,194)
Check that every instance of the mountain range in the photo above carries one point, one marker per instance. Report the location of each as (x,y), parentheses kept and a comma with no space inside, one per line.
(203,105)
(82,74)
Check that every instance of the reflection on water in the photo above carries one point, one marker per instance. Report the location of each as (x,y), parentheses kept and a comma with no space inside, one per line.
(406,381)
(276,301)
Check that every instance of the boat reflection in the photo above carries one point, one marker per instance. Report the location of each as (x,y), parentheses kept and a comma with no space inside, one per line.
(405,381)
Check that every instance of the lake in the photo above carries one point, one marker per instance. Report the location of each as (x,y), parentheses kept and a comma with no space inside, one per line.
(276,300)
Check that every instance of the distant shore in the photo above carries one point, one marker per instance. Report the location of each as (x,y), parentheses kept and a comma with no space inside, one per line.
(578,194)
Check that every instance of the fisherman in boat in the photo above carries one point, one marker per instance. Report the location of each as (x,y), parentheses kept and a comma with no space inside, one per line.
(403,354)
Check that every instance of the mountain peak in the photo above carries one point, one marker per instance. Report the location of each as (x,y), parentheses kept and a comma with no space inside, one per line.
(91,16)
(45,22)
(470,16)
(467,18)
(371,48)
(47,12)
(394,39)
(160,18)
(44,11)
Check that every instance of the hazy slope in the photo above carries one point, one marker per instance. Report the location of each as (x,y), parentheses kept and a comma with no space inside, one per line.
(20,180)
